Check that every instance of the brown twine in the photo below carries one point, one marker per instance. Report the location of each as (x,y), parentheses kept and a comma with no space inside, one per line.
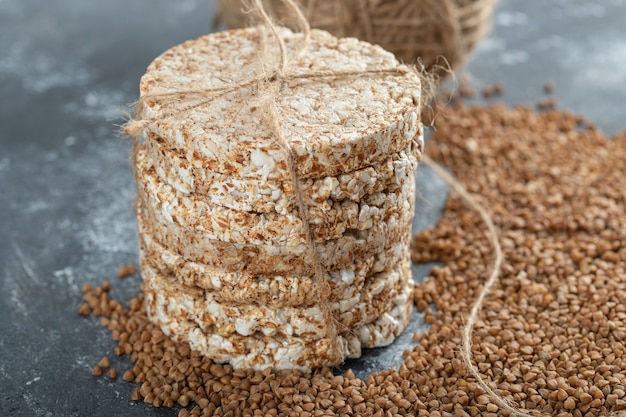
(412,29)
(492,234)
(265,87)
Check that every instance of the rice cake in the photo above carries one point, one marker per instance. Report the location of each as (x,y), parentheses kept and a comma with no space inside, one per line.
(199,215)
(281,352)
(203,306)
(256,351)
(382,331)
(263,196)
(245,319)
(386,328)
(376,297)
(273,290)
(272,259)
(332,124)
(335,113)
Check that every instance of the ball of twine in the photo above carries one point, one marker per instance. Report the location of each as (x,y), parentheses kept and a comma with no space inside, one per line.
(440,33)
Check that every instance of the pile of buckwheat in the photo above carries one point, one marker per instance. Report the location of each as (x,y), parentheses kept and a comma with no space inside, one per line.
(550,338)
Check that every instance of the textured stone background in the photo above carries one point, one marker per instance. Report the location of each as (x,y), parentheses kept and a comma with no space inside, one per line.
(66,187)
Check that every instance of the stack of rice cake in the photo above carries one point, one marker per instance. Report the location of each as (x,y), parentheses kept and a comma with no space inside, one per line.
(224,251)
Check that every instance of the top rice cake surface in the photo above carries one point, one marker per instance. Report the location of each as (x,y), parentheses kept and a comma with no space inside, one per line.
(213,99)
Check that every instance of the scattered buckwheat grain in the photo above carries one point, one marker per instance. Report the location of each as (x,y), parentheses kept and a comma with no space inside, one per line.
(105,362)
(125,271)
(112,373)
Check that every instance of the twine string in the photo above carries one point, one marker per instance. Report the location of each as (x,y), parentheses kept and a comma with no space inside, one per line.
(322,288)
(272,27)
(468,329)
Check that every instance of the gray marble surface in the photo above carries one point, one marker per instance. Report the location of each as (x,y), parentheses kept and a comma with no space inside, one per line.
(66,187)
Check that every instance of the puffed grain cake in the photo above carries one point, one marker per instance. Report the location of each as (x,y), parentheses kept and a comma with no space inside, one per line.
(288,290)
(227,318)
(382,331)
(239,333)
(198,214)
(256,351)
(333,124)
(274,259)
(377,296)
(262,196)
(279,352)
